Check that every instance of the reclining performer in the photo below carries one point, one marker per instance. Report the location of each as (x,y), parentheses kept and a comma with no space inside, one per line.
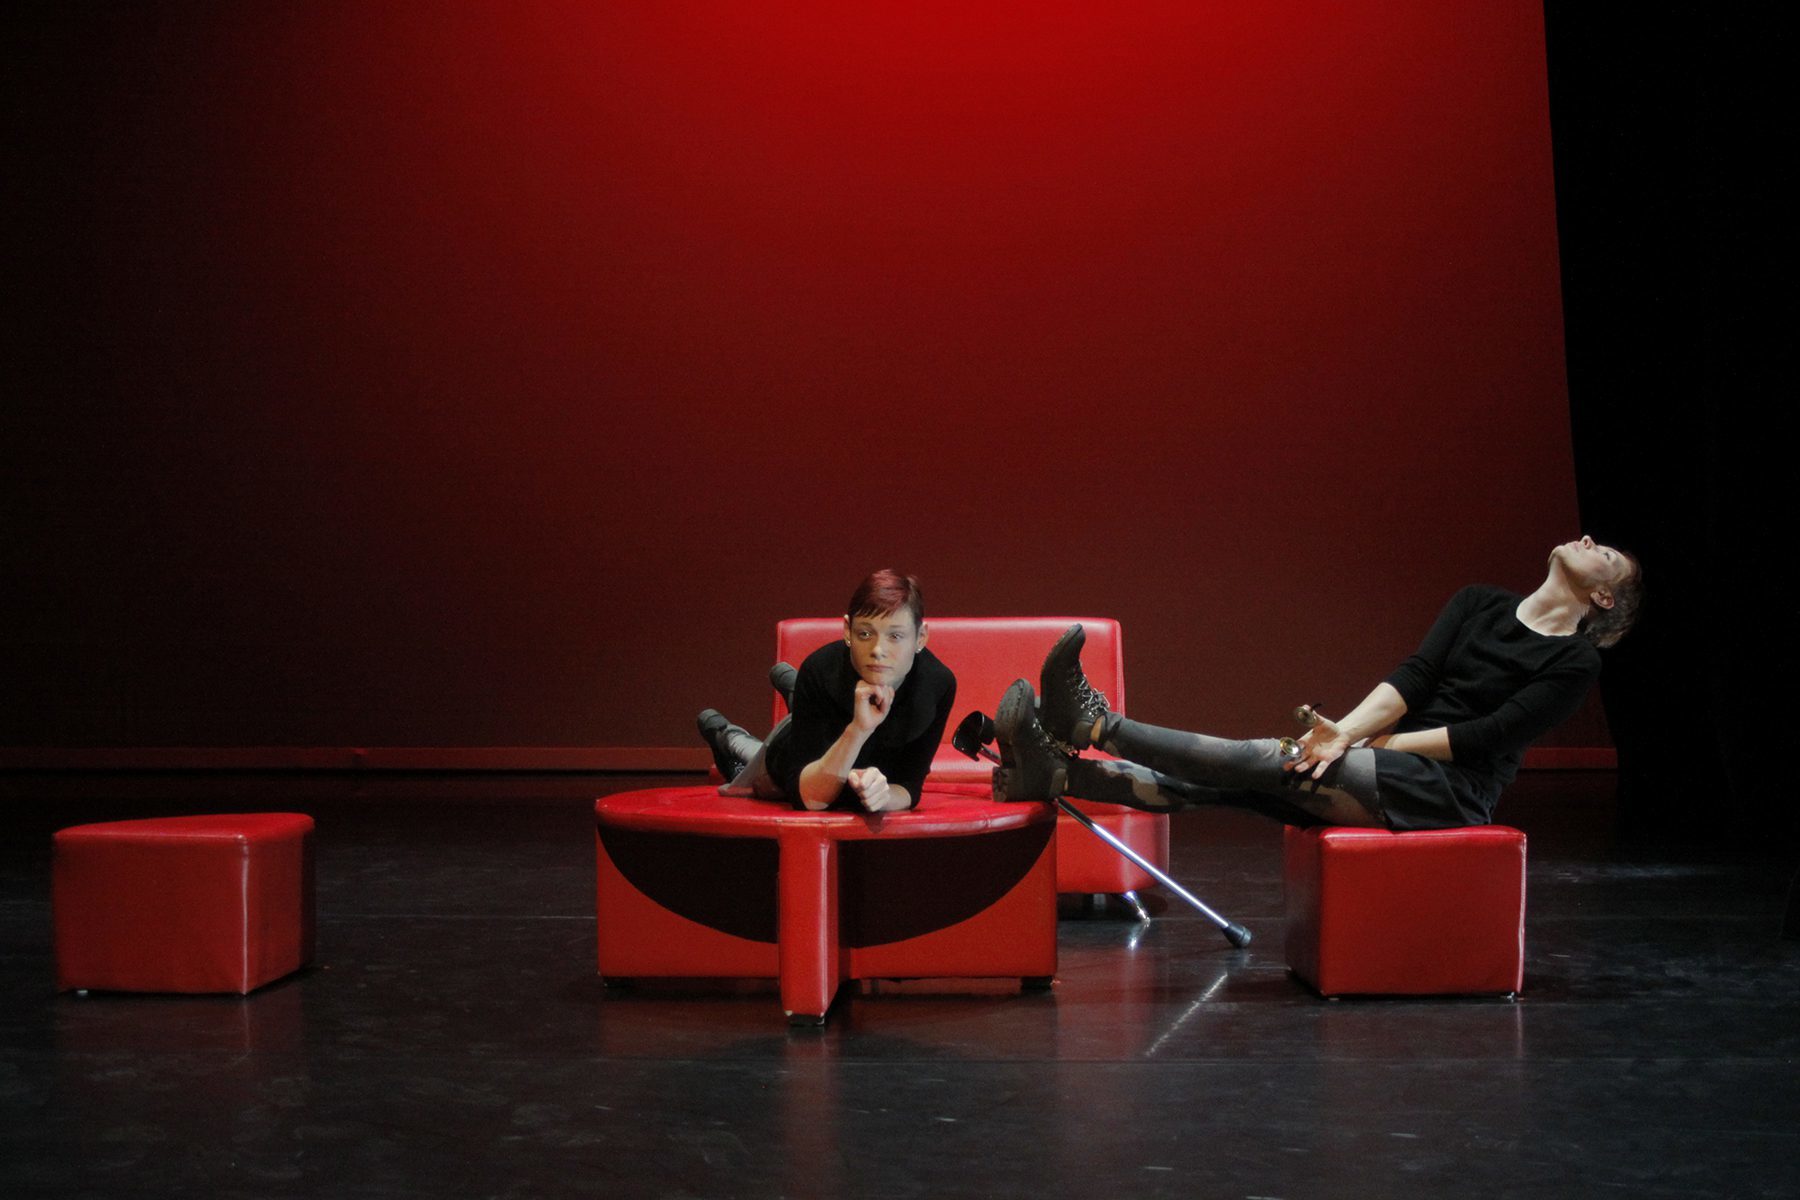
(1496,671)
(865,715)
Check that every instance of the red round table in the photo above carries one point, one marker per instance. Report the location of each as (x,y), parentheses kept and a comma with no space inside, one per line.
(698,885)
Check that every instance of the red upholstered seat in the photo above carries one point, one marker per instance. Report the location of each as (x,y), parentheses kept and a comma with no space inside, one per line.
(692,884)
(987,654)
(1429,912)
(183,904)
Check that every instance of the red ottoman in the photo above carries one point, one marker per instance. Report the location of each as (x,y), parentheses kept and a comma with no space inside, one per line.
(1429,912)
(183,904)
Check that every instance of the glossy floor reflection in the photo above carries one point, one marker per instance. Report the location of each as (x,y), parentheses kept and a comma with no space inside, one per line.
(453,1039)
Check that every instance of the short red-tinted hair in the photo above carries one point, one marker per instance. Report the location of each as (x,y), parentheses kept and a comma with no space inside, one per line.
(885,592)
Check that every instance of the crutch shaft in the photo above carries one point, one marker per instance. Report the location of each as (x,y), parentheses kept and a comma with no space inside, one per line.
(1236,934)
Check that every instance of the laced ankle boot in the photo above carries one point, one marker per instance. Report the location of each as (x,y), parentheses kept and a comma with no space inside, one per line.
(1069,705)
(1032,767)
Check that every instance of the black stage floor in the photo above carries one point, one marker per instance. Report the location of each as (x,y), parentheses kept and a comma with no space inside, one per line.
(453,1039)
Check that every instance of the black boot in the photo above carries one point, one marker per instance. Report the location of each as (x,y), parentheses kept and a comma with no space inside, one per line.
(1031,767)
(727,742)
(782,677)
(1070,705)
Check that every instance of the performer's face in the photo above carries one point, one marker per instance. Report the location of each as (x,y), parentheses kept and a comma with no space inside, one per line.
(882,648)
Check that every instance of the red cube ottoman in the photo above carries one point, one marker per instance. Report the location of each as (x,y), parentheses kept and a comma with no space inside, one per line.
(1427,912)
(183,904)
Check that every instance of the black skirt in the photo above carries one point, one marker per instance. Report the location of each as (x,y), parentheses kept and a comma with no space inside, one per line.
(1423,793)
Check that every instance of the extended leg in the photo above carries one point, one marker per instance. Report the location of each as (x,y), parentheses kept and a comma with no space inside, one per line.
(1241,770)
(1346,795)
(1075,716)
(1139,787)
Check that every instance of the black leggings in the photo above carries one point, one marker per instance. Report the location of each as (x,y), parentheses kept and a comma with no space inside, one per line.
(1170,768)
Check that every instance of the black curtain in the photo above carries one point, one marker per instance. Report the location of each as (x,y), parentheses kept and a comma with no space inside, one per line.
(1666,134)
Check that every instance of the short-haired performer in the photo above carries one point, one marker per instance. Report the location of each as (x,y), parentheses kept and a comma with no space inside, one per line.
(1430,748)
(865,715)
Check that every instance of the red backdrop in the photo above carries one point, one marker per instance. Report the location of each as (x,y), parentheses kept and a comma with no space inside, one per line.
(497,375)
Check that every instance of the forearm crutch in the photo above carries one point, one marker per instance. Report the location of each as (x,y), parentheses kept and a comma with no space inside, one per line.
(971,738)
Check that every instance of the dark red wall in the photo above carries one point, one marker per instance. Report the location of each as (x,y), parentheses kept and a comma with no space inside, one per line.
(496,375)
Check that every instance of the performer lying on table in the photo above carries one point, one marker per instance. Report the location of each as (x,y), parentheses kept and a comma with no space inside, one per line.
(1430,748)
(865,717)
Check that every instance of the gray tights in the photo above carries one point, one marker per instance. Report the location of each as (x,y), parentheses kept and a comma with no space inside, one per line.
(1169,769)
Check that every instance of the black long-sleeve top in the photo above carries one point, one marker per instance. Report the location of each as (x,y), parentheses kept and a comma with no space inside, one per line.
(1494,683)
(901,746)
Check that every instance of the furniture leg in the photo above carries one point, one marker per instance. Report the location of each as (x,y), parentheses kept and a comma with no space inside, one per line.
(808,937)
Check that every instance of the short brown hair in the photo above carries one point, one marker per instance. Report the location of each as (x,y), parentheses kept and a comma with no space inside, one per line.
(885,592)
(1605,626)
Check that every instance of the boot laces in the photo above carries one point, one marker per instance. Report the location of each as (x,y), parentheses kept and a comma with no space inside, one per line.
(1090,706)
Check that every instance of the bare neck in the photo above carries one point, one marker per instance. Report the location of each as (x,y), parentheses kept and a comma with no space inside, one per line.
(1555,609)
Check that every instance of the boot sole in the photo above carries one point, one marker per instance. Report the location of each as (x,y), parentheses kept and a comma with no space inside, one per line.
(1004,786)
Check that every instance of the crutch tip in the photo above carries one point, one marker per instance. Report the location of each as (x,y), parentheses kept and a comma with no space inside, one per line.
(1237,935)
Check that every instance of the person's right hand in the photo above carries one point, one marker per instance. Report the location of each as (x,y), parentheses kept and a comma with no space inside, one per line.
(871,788)
(1321,746)
(870,705)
